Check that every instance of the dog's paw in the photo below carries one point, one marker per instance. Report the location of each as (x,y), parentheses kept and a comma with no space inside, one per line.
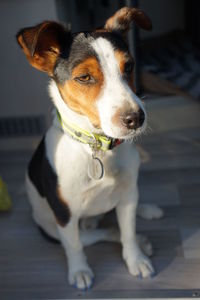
(82,280)
(140,266)
(150,211)
(145,244)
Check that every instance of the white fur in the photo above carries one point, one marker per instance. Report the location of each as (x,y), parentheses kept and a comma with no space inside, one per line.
(75,118)
(116,93)
(84,196)
(150,211)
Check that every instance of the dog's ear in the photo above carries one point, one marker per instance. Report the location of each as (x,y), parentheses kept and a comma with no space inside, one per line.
(42,44)
(121,20)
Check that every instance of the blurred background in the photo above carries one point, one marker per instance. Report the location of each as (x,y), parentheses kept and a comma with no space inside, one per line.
(167,77)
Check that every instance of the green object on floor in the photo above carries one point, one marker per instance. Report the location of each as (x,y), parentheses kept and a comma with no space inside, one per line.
(5,201)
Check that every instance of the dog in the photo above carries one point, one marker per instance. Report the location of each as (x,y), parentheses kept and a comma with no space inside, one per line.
(83,167)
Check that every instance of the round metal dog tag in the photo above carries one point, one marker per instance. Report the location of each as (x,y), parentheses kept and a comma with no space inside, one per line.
(95,168)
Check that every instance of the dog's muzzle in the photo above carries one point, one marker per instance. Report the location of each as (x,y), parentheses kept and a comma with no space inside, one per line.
(133,120)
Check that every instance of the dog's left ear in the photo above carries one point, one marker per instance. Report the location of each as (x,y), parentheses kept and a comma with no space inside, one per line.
(121,20)
(44,43)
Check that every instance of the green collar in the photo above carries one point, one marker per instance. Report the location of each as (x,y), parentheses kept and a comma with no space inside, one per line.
(94,140)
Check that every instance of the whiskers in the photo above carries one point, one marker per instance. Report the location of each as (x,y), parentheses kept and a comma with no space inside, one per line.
(139,133)
(147,130)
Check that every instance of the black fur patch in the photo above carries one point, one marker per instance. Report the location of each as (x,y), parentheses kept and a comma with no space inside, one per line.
(114,38)
(81,49)
(45,180)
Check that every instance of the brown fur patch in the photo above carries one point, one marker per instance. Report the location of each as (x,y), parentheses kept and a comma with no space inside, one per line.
(131,83)
(81,97)
(45,63)
(60,222)
(65,206)
(122,18)
(116,118)
(122,58)
(118,115)
(42,44)
(101,30)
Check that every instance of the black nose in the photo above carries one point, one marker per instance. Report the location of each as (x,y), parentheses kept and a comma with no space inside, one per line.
(134,120)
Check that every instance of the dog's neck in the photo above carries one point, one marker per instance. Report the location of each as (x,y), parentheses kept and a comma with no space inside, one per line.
(75,118)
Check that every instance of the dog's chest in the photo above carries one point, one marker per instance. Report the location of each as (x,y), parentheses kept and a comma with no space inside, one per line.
(84,195)
(97,194)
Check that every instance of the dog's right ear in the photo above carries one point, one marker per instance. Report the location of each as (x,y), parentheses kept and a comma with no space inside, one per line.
(122,19)
(44,43)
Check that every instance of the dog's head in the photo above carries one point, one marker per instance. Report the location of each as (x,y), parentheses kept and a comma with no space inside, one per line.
(92,70)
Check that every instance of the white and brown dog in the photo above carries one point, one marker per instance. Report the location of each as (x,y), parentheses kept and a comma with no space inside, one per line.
(81,168)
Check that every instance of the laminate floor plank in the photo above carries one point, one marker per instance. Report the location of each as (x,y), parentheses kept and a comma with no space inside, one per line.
(31,267)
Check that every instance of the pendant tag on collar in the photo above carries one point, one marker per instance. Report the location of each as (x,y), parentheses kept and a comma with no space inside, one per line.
(95,165)
(95,168)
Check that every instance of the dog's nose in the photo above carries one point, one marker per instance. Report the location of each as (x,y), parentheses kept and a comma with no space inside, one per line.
(134,120)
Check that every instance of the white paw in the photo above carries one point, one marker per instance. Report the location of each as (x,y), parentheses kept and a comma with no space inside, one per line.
(145,244)
(140,266)
(150,211)
(82,280)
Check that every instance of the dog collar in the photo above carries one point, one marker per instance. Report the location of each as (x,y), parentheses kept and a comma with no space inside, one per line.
(94,140)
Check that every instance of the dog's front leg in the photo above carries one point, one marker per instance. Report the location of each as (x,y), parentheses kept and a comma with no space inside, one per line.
(138,264)
(80,274)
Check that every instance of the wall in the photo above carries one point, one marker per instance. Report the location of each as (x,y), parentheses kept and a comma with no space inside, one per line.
(23,88)
(166,15)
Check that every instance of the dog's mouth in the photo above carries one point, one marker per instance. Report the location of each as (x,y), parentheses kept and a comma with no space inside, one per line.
(126,126)
(130,136)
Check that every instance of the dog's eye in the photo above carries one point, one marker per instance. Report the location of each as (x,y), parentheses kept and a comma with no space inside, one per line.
(86,78)
(128,68)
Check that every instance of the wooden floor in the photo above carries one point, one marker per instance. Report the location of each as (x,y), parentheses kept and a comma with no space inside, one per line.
(33,268)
